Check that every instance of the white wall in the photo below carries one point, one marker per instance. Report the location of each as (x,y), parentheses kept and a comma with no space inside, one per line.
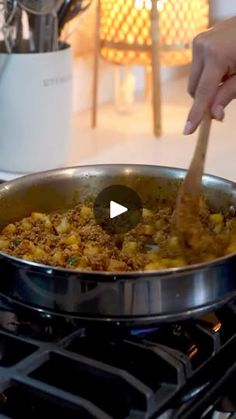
(83,81)
(221,9)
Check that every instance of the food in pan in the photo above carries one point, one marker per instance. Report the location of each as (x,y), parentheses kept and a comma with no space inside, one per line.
(72,239)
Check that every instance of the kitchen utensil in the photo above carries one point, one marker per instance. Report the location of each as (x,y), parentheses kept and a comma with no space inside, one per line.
(70,10)
(28,31)
(9,11)
(63,10)
(186,217)
(18,47)
(138,297)
(40,7)
(44,33)
(46,23)
(8,8)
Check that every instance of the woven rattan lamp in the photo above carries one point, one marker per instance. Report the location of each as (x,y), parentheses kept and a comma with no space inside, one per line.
(149,33)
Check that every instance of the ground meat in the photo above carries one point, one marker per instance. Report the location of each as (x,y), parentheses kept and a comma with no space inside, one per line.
(71,239)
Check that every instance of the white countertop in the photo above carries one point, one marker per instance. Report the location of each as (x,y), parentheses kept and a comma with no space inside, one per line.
(123,138)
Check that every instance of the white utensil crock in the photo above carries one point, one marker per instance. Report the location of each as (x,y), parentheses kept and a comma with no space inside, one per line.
(35,110)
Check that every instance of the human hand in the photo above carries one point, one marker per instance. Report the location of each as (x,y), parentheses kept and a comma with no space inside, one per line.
(212,81)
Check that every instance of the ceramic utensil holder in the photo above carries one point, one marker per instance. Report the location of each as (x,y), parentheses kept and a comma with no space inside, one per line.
(35,110)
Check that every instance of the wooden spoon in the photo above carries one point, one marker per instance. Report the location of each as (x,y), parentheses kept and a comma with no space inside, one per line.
(186,216)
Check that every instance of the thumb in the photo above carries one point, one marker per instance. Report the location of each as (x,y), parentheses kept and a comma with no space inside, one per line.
(226,92)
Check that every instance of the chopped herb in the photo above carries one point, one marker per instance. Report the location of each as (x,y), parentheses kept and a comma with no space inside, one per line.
(16,241)
(73,260)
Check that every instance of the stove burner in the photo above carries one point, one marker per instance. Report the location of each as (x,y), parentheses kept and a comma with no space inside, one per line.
(183,370)
(144,331)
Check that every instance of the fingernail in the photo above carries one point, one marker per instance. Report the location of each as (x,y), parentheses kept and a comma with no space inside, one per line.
(218,112)
(188,128)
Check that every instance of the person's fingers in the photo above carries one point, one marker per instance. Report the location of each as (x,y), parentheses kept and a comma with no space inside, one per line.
(206,90)
(226,93)
(197,65)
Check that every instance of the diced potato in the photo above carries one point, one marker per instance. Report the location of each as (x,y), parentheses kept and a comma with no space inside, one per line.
(83,263)
(47,222)
(39,253)
(116,266)
(28,257)
(159,224)
(152,257)
(218,228)
(10,228)
(208,258)
(232,239)
(148,230)
(38,215)
(230,224)
(91,250)
(223,239)
(167,263)
(26,225)
(71,239)
(203,208)
(4,243)
(216,218)
(178,262)
(153,266)
(63,227)
(158,237)
(173,244)
(231,249)
(129,249)
(85,212)
(49,242)
(147,213)
(58,257)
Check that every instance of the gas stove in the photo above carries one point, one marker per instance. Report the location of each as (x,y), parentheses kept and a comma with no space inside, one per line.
(55,366)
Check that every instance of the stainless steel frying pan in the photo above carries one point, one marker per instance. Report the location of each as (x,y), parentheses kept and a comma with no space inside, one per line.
(141,297)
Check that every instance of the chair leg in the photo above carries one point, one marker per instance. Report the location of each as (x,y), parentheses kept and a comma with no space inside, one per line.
(148,82)
(95,68)
(155,36)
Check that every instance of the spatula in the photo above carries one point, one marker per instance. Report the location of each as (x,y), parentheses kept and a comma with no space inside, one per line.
(186,216)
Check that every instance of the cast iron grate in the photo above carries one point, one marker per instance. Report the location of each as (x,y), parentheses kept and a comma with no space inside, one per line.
(133,374)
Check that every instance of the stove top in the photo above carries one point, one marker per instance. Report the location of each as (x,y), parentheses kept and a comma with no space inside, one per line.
(56,366)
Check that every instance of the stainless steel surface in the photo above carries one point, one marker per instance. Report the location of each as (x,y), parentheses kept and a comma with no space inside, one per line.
(46,38)
(139,297)
(39,7)
(46,19)
(44,33)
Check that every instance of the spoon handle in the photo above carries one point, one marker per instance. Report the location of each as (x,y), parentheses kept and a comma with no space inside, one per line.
(193,179)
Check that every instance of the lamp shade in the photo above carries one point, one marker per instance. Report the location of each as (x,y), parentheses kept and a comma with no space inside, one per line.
(125,30)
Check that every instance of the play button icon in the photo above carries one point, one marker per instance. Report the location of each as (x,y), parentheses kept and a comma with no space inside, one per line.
(117,209)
